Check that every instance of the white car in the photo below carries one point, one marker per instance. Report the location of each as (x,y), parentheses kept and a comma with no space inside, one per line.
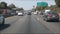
(47,11)
(2,19)
(35,13)
(20,14)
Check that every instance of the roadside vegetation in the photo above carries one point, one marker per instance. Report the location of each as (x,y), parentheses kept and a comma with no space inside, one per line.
(56,7)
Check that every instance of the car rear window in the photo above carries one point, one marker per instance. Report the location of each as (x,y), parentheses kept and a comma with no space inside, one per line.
(54,13)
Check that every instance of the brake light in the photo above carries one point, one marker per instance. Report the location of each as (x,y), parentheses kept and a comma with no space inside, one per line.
(49,15)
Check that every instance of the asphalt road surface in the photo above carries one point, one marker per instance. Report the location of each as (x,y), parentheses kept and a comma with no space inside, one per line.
(29,24)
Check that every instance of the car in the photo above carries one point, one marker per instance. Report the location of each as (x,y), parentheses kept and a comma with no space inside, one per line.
(52,15)
(41,12)
(29,13)
(20,14)
(12,14)
(47,11)
(35,13)
(2,19)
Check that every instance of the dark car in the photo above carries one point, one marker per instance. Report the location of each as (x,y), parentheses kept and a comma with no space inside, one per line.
(51,16)
(29,13)
(41,12)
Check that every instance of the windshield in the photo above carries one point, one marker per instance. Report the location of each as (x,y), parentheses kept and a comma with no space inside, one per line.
(53,13)
(30,17)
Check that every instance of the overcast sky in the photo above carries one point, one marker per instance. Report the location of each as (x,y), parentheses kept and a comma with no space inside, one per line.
(27,4)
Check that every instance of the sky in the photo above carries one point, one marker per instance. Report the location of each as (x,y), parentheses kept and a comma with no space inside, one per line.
(27,4)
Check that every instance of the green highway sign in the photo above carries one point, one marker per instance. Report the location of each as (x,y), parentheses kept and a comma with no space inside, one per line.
(43,4)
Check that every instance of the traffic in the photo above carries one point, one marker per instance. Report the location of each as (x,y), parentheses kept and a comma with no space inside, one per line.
(30,17)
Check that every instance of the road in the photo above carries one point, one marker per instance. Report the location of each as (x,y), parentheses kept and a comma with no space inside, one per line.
(29,24)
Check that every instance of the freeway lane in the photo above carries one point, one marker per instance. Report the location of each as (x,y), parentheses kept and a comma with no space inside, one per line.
(10,21)
(13,19)
(27,24)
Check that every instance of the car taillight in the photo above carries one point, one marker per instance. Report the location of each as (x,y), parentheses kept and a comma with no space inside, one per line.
(49,15)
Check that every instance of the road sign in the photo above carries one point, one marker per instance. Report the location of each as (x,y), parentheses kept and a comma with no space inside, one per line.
(43,4)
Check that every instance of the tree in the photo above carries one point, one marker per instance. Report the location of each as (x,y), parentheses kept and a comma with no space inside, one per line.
(40,8)
(3,5)
(19,9)
(12,6)
(57,3)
